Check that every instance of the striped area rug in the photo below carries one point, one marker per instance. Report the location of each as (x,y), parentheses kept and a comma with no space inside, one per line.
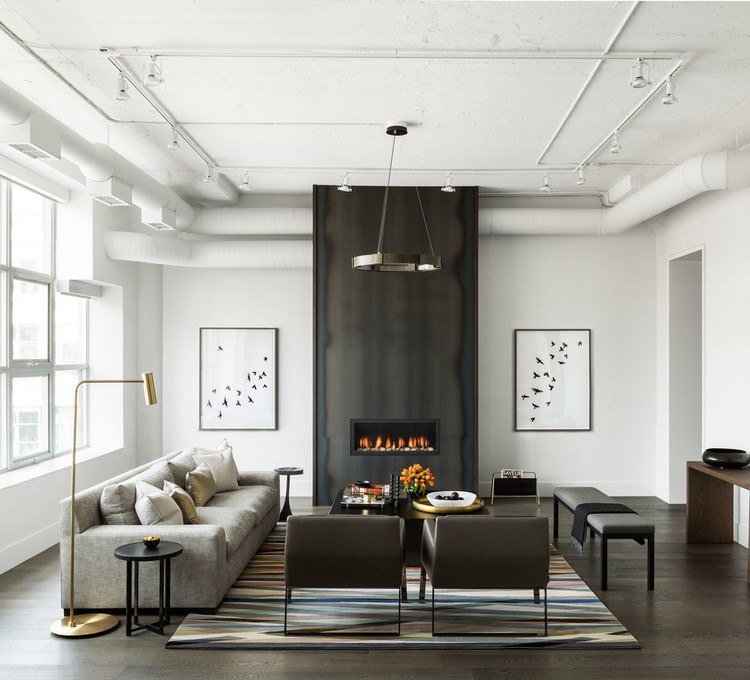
(251,615)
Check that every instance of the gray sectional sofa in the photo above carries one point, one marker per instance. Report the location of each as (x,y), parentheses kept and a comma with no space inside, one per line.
(231,527)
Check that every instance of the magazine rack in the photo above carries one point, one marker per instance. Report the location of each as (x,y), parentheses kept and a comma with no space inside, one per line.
(519,486)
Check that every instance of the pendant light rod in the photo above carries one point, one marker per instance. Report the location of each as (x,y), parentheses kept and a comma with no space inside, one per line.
(385,195)
(424,219)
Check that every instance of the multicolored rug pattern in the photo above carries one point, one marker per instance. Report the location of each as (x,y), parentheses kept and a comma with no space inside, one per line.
(251,615)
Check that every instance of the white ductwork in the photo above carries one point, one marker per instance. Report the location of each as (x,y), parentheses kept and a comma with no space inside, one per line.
(257,221)
(133,247)
(707,172)
(99,163)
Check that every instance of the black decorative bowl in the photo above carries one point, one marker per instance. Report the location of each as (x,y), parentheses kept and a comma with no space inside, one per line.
(151,541)
(726,458)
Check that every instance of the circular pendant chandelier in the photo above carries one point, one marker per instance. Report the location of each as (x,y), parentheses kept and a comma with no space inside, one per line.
(397,262)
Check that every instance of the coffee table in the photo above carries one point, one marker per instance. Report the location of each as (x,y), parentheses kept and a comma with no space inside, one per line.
(413,521)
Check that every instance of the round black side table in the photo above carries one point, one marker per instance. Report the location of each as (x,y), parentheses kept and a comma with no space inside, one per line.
(288,471)
(134,554)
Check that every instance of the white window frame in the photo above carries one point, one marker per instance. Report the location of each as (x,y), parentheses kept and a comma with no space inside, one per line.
(21,369)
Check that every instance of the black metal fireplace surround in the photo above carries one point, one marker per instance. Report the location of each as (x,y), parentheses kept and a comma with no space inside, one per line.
(394,347)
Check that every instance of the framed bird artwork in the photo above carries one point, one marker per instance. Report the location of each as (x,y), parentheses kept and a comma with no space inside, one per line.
(238,378)
(552,379)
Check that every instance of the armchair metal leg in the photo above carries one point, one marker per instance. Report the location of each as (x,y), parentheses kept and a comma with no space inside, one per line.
(545,612)
(433,610)
(422,581)
(289,595)
(404,595)
(286,605)
(555,516)
(399,614)
(536,596)
(650,540)
(604,563)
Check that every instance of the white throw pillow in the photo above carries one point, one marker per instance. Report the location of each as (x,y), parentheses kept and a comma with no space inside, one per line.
(154,506)
(222,466)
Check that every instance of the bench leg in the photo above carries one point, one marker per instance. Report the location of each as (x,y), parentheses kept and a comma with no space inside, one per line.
(604,562)
(536,596)
(545,612)
(650,541)
(555,516)
(422,581)
(286,605)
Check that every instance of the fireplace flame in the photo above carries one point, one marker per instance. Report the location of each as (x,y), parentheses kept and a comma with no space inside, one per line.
(421,443)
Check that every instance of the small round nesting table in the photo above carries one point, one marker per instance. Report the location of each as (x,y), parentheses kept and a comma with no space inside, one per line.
(134,554)
(288,471)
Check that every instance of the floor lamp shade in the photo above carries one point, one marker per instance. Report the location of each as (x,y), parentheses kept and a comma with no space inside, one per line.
(86,625)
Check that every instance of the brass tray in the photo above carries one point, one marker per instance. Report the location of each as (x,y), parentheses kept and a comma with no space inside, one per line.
(423,505)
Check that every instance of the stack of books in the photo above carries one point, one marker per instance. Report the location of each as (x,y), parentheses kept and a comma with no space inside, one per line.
(368,495)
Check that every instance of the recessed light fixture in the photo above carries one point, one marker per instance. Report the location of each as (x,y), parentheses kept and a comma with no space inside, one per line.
(448,188)
(545,185)
(640,74)
(210,175)
(244,185)
(615,148)
(174,145)
(398,261)
(122,94)
(581,176)
(669,97)
(345,186)
(153,75)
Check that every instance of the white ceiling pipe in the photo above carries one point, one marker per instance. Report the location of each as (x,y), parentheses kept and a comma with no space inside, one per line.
(133,247)
(99,162)
(14,109)
(708,172)
(255,220)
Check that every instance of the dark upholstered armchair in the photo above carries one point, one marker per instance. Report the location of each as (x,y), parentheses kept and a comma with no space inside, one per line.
(331,551)
(486,552)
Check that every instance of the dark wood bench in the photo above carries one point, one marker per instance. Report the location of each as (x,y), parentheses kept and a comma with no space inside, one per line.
(605,525)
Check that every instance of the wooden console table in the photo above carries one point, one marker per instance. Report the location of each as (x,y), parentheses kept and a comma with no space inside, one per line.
(710,503)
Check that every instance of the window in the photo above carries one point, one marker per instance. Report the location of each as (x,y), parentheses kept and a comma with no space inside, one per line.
(43,336)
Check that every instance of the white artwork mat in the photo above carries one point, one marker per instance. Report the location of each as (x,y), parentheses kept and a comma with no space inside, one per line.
(238,378)
(553,380)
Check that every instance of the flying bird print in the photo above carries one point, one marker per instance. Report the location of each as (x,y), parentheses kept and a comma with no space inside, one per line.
(580,343)
(224,403)
(220,415)
(536,406)
(254,387)
(228,388)
(524,396)
(551,387)
(562,363)
(250,399)
(545,374)
(265,387)
(539,361)
(208,403)
(213,391)
(239,392)
(248,377)
(536,375)
(221,349)
(265,358)
(553,343)
(548,403)
(536,391)
(532,419)
(551,356)
(238,403)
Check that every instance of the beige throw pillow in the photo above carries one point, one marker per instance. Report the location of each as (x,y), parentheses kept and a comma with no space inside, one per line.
(222,467)
(153,506)
(200,485)
(183,500)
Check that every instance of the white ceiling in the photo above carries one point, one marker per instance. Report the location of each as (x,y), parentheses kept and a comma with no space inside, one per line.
(293,120)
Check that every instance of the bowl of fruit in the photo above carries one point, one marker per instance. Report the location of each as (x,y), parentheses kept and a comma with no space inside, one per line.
(451,499)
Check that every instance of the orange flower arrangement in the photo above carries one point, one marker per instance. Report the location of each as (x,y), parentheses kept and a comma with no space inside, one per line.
(416,479)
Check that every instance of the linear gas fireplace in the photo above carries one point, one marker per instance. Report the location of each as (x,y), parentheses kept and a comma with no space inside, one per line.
(395,437)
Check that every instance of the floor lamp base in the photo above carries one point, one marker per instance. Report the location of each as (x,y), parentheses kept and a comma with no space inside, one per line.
(86,625)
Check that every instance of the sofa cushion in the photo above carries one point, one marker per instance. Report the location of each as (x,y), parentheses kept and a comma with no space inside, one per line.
(222,466)
(154,506)
(180,465)
(200,484)
(236,522)
(183,500)
(117,502)
(257,499)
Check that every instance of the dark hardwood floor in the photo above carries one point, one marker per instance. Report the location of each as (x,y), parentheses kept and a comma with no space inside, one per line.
(694,625)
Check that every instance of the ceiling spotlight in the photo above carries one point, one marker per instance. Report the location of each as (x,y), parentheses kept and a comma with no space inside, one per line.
(615,148)
(123,86)
(545,186)
(640,74)
(669,97)
(581,176)
(448,188)
(174,145)
(245,183)
(153,75)
(210,175)
(345,186)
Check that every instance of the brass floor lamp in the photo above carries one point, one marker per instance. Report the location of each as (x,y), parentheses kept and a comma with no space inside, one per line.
(85,625)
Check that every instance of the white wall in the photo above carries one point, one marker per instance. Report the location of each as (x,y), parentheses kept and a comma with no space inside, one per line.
(606,284)
(685,370)
(720,222)
(242,298)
